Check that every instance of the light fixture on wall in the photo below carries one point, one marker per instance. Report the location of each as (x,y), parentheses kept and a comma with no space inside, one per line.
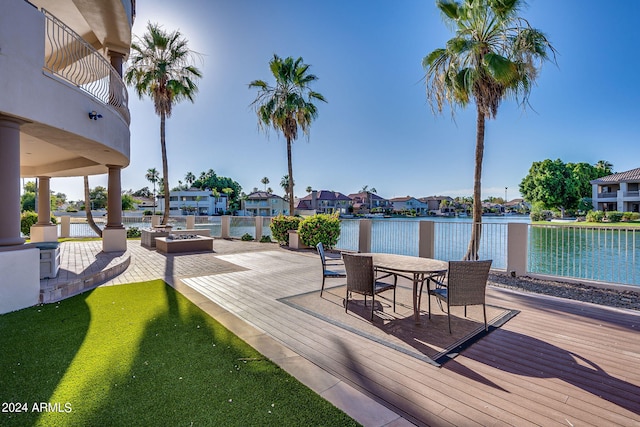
(93,115)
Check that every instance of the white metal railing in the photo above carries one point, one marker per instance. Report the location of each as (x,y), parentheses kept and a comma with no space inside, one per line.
(594,253)
(452,240)
(69,57)
(397,237)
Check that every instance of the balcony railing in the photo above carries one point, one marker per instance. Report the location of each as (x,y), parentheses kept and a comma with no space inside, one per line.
(632,194)
(611,195)
(69,57)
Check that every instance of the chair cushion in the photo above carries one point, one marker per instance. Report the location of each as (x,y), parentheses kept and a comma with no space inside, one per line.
(440,292)
(335,273)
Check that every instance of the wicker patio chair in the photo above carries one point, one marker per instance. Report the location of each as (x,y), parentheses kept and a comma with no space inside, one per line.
(361,279)
(466,285)
(328,267)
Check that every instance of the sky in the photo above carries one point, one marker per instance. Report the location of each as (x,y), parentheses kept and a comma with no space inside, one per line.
(377,128)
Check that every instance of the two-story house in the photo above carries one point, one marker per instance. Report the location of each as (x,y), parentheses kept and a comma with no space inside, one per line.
(409,204)
(617,192)
(436,206)
(262,203)
(195,202)
(324,201)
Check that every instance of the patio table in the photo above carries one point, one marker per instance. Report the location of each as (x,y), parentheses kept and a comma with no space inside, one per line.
(416,269)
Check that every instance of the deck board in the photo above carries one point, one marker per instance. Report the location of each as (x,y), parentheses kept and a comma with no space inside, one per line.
(555,363)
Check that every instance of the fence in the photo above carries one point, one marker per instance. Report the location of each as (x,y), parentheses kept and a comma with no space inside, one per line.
(594,253)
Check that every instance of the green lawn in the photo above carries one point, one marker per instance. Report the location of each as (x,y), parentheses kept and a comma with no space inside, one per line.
(142,354)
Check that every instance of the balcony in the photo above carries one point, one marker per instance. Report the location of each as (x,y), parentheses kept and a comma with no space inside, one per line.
(70,58)
(609,195)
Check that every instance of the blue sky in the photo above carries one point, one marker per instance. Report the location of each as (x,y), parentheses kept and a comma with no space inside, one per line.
(377,128)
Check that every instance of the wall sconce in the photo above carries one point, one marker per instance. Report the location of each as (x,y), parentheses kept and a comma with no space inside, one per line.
(94,116)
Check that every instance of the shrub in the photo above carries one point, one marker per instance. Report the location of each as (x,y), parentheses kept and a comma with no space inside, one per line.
(538,216)
(280,226)
(27,219)
(320,228)
(246,237)
(71,209)
(133,232)
(265,239)
(147,212)
(595,216)
(614,216)
(158,213)
(630,216)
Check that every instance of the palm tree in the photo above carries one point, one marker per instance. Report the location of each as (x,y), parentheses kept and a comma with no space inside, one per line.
(153,177)
(161,68)
(605,166)
(494,54)
(265,181)
(288,105)
(189,178)
(284,183)
(309,189)
(87,208)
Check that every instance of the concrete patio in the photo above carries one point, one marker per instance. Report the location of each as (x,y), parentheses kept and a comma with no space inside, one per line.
(558,362)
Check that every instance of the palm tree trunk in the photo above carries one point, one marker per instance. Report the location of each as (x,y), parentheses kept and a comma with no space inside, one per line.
(476,231)
(165,169)
(290,183)
(87,208)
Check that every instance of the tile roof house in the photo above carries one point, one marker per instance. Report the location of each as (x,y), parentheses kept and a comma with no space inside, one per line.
(365,201)
(324,201)
(408,203)
(262,203)
(434,204)
(617,192)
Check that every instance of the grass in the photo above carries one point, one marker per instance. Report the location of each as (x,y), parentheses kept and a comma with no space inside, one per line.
(142,354)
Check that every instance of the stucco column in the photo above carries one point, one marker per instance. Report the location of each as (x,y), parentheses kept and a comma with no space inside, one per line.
(116,59)
(114,198)
(44,230)
(44,200)
(10,182)
(114,235)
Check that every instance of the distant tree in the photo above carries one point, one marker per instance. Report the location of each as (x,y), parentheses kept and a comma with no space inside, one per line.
(309,189)
(143,192)
(552,185)
(161,68)
(284,183)
(28,201)
(605,166)
(495,54)
(189,178)
(153,177)
(30,187)
(269,190)
(288,105)
(98,197)
(265,181)
(128,202)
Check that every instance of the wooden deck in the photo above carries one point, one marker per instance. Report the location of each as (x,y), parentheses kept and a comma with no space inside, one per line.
(558,362)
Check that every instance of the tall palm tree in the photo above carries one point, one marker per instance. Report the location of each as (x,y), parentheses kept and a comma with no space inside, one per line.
(153,177)
(161,68)
(495,54)
(265,181)
(288,105)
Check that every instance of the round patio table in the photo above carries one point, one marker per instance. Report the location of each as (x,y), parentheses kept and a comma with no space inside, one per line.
(416,269)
